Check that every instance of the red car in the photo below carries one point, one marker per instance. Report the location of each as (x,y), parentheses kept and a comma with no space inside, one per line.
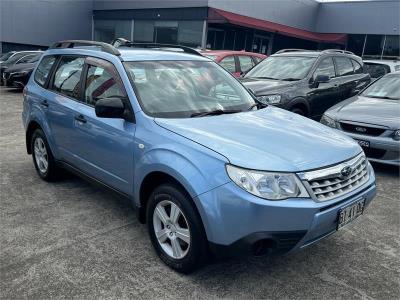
(234,61)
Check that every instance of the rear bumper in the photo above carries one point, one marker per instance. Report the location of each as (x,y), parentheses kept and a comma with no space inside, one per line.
(238,223)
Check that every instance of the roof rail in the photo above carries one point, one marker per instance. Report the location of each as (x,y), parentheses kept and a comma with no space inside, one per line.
(119,42)
(338,50)
(290,50)
(72,43)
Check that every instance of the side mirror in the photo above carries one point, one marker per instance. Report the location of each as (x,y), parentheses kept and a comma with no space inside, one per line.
(322,79)
(111,108)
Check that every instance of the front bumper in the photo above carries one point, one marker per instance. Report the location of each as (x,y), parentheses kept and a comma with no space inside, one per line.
(15,80)
(382,149)
(236,221)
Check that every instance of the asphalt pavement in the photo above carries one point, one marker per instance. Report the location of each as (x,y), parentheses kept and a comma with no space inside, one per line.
(70,239)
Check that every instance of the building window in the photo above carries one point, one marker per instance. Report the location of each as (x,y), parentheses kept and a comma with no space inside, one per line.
(373,45)
(355,43)
(190,33)
(392,44)
(108,30)
(144,31)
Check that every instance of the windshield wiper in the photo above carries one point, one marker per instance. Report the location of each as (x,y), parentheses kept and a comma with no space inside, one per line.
(382,97)
(214,112)
(290,79)
(264,78)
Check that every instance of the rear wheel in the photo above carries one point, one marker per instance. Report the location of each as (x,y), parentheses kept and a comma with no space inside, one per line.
(42,157)
(175,229)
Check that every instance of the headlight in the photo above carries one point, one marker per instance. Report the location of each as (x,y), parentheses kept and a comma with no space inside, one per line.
(271,99)
(396,135)
(328,121)
(267,185)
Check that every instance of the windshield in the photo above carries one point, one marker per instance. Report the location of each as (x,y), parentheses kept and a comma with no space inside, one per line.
(181,89)
(6,56)
(384,88)
(16,57)
(282,68)
(35,58)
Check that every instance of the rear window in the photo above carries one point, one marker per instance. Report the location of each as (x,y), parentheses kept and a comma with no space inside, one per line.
(228,63)
(344,66)
(376,70)
(43,70)
(246,63)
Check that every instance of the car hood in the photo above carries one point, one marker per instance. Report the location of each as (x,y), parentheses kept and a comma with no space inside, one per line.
(262,86)
(21,67)
(268,139)
(368,110)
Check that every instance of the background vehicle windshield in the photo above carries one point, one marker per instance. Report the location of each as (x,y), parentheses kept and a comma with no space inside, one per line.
(386,88)
(213,57)
(179,89)
(34,59)
(6,56)
(282,68)
(15,58)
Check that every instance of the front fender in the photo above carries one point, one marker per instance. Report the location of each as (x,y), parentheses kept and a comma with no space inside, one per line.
(198,173)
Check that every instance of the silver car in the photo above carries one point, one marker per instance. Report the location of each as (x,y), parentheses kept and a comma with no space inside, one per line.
(372,118)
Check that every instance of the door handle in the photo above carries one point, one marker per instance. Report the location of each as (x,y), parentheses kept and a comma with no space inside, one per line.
(44,103)
(80,119)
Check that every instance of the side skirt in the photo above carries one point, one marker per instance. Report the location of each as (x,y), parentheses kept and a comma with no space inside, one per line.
(76,171)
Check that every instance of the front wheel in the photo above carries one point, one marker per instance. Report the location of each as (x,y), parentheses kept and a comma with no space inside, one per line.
(175,229)
(298,111)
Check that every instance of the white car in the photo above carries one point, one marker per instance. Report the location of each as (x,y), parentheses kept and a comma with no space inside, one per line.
(378,67)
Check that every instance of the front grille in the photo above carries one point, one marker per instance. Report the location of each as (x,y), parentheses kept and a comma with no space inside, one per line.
(362,129)
(330,183)
(374,153)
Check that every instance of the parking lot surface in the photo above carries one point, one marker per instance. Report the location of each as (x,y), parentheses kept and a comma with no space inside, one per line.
(71,239)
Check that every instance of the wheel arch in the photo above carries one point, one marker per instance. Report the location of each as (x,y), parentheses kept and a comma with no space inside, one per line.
(149,183)
(33,125)
(301,103)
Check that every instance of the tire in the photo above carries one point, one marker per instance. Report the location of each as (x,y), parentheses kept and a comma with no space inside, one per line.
(40,146)
(195,252)
(298,111)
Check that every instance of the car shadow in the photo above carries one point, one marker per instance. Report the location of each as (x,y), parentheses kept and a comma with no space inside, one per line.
(384,169)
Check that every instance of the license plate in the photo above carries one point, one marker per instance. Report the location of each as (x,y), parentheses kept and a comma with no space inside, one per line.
(364,144)
(350,213)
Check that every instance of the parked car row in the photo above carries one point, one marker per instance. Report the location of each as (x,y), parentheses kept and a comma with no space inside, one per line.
(15,67)
(372,118)
(210,166)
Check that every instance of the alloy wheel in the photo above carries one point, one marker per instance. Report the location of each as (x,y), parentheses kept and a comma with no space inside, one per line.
(41,156)
(171,229)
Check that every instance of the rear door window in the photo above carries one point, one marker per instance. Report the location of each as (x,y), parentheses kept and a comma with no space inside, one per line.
(67,76)
(344,66)
(229,64)
(358,69)
(43,70)
(325,67)
(246,63)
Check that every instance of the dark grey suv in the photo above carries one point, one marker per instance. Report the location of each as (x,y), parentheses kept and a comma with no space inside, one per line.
(307,82)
